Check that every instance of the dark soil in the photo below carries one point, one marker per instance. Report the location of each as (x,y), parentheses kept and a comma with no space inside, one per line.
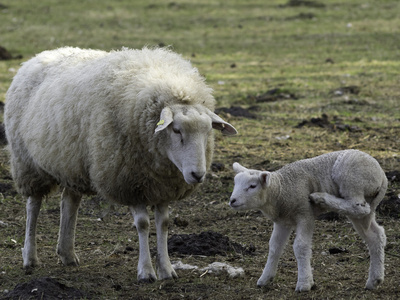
(45,288)
(206,243)
(5,55)
(390,207)
(276,94)
(324,122)
(236,111)
(305,3)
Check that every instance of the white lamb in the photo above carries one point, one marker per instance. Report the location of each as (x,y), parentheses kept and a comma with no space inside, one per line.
(134,126)
(349,182)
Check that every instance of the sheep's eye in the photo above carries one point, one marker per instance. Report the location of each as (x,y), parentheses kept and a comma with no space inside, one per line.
(176,130)
(253,186)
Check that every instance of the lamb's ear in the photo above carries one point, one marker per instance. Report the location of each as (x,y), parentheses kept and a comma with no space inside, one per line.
(264,178)
(219,124)
(238,168)
(166,118)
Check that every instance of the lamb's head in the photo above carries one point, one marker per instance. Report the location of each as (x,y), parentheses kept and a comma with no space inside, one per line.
(188,132)
(250,188)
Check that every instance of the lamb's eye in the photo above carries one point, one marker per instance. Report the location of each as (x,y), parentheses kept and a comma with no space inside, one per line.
(253,186)
(176,130)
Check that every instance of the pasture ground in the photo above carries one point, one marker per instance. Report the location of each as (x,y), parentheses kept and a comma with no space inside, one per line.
(296,78)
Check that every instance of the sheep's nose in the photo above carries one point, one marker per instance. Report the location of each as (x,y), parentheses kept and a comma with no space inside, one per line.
(232,201)
(199,176)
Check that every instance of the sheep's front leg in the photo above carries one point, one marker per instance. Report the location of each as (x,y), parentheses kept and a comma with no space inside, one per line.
(351,207)
(375,238)
(277,243)
(302,250)
(142,222)
(164,267)
(29,252)
(69,207)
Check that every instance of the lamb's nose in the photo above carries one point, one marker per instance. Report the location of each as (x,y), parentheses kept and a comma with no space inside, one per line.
(199,176)
(232,201)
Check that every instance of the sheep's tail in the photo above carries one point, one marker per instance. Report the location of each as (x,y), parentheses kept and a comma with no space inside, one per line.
(380,194)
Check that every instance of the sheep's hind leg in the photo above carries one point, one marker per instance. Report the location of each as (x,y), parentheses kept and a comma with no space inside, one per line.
(356,206)
(69,207)
(164,267)
(277,242)
(29,252)
(375,238)
(142,222)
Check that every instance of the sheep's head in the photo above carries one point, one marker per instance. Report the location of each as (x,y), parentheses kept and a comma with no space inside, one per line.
(188,129)
(249,187)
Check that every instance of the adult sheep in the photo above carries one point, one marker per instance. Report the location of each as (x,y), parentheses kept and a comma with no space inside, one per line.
(134,126)
(349,182)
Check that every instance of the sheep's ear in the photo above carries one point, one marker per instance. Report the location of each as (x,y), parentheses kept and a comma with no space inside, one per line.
(264,178)
(219,124)
(166,118)
(238,168)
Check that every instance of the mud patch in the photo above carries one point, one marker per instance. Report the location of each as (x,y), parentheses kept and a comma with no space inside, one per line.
(306,3)
(44,288)
(324,122)
(390,207)
(393,176)
(276,94)
(237,111)
(7,189)
(5,55)
(302,16)
(206,243)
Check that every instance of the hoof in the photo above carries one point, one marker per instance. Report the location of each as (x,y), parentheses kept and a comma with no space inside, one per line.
(373,284)
(149,279)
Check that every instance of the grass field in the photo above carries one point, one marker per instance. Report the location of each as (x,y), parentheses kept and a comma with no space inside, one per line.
(288,63)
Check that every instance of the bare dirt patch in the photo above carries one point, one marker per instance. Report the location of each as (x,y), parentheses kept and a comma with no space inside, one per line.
(45,288)
(206,243)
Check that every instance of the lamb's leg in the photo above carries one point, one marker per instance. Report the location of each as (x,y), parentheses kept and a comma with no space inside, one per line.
(356,206)
(302,250)
(69,207)
(142,222)
(375,238)
(164,267)
(29,252)
(277,242)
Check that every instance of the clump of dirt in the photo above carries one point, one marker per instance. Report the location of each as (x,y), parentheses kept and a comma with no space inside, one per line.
(276,94)
(337,250)
(393,176)
(302,16)
(44,288)
(207,243)
(352,89)
(306,3)
(390,207)
(217,167)
(324,122)
(236,111)
(3,138)
(7,189)
(5,55)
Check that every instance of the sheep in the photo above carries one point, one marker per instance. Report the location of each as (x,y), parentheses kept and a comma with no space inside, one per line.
(350,182)
(133,126)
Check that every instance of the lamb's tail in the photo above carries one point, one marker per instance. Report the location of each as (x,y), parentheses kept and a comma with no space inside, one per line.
(380,194)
